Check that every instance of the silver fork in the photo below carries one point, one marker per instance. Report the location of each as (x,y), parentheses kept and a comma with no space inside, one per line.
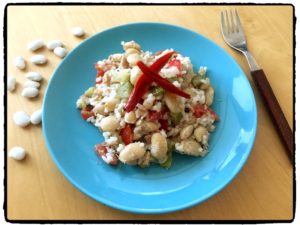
(234,36)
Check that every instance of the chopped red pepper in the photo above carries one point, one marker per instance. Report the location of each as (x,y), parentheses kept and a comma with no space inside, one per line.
(155,116)
(213,114)
(164,124)
(87,112)
(199,110)
(101,149)
(143,83)
(126,134)
(164,83)
(176,63)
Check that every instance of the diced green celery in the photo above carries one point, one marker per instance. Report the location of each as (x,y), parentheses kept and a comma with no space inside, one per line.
(121,76)
(157,91)
(81,104)
(197,80)
(89,92)
(167,164)
(176,117)
(124,90)
(172,79)
(171,145)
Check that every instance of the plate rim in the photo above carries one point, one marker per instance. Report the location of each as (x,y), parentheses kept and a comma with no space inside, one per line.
(138,210)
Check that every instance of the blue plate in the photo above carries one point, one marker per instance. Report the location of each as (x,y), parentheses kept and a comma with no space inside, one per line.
(190,180)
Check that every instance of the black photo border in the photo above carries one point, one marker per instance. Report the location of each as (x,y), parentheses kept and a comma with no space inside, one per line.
(130,221)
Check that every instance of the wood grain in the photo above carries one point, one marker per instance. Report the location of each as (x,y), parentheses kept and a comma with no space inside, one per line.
(280,122)
(263,190)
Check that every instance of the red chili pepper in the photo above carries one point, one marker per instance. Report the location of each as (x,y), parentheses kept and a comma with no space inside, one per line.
(126,134)
(164,83)
(143,83)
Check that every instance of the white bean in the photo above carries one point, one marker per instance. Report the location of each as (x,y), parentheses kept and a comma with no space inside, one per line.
(99,108)
(135,73)
(38,59)
(36,44)
(78,31)
(159,147)
(131,44)
(173,102)
(17,153)
(109,123)
(133,59)
(124,63)
(132,153)
(61,52)
(209,95)
(35,76)
(130,51)
(31,83)
(110,105)
(21,118)
(30,92)
(148,127)
(130,117)
(11,83)
(19,62)
(191,147)
(186,132)
(51,45)
(199,133)
(36,117)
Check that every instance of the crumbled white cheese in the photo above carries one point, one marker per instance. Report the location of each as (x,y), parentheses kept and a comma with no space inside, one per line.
(177,84)
(199,97)
(148,102)
(111,140)
(156,107)
(202,70)
(169,72)
(120,147)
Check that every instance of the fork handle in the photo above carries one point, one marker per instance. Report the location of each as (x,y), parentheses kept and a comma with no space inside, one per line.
(275,110)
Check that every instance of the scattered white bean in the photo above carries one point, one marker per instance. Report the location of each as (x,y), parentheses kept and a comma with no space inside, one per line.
(38,59)
(135,73)
(51,45)
(31,83)
(17,153)
(20,62)
(36,117)
(36,44)
(11,83)
(35,76)
(78,31)
(61,52)
(21,118)
(30,92)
